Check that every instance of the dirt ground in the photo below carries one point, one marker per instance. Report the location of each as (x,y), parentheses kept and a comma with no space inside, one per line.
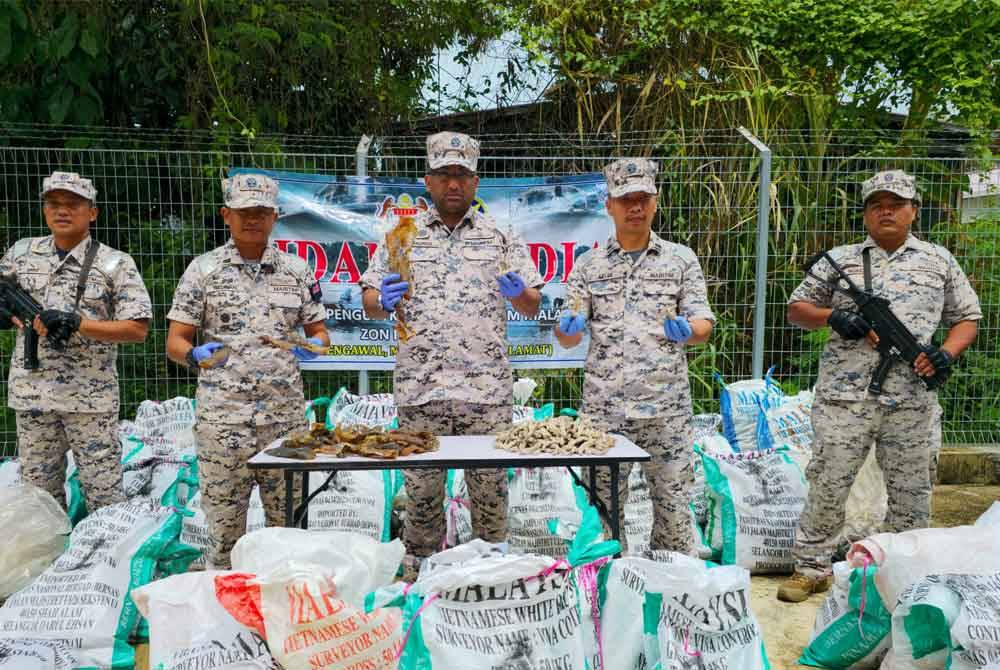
(787,626)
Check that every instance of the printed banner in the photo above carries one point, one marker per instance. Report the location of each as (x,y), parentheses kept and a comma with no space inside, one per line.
(336,223)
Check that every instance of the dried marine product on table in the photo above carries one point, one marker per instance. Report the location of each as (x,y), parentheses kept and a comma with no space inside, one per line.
(398,243)
(361,441)
(558,435)
(297,453)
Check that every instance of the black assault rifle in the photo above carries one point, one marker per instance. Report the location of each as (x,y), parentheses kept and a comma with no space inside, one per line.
(895,341)
(24,307)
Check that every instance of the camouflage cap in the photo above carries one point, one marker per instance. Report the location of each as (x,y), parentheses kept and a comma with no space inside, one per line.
(893,181)
(448,148)
(631,175)
(72,182)
(250,190)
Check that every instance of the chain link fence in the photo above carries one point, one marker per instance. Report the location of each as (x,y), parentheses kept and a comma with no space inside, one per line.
(159,196)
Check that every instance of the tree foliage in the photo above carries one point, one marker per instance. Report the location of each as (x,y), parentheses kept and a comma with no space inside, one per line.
(297,67)
(767,63)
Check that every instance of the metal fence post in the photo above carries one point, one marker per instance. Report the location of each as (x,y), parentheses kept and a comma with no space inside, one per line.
(361,170)
(763,223)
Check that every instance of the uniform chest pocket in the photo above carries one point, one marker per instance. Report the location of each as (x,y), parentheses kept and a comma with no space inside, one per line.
(481,253)
(927,278)
(606,287)
(96,291)
(286,297)
(33,282)
(225,299)
(423,252)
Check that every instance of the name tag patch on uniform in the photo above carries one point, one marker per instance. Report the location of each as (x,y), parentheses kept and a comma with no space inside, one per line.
(316,292)
(286,288)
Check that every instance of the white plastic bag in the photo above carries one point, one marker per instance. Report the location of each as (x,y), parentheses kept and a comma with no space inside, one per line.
(948,621)
(361,564)
(755,500)
(990,518)
(356,501)
(867,503)
(702,619)
(515,611)
(195,530)
(904,558)
(82,598)
(457,515)
(789,425)
(312,625)
(638,513)
(741,403)
(843,636)
(34,654)
(534,497)
(10,472)
(189,628)
(35,531)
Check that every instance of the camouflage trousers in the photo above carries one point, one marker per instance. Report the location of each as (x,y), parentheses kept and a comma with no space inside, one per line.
(226,482)
(44,437)
(905,439)
(424,529)
(670,475)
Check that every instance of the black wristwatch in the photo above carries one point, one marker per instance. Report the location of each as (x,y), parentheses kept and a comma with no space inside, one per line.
(191,360)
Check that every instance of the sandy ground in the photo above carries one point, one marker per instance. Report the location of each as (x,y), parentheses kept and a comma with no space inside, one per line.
(787,626)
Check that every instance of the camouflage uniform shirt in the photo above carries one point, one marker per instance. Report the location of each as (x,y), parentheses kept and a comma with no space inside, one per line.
(459,350)
(221,294)
(925,287)
(633,371)
(83,377)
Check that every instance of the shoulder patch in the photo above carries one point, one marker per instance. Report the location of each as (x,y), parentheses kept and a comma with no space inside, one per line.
(112,261)
(316,292)
(207,263)
(295,264)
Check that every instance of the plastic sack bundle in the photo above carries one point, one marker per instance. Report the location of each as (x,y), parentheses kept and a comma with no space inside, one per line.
(349,409)
(536,496)
(157,446)
(755,500)
(948,621)
(852,626)
(638,513)
(622,601)
(189,627)
(788,424)
(990,517)
(867,503)
(10,472)
(82,598)
(76,505)
(700,617)
(34,654)
(356,501)
(457,515)
(905,558)
(361,563)
(35,532)
(741,403)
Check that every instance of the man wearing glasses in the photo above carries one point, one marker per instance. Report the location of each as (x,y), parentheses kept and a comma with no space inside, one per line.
(452,376)
(92,298)
(925,287)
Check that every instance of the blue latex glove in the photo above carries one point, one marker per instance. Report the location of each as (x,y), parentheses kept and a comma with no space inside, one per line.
(511,285)
(203,351)
(677,330)
(571,324)
(392,291)
(304,354)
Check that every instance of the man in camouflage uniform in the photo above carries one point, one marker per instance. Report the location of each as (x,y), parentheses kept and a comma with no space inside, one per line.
(249,394)
(644,299)
(452,377)
(95,295)
(926,287)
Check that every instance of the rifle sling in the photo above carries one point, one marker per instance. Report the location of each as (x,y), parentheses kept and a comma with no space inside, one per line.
(88,262)
(867,258)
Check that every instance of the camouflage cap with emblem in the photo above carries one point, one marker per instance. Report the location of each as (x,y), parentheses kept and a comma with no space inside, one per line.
(250,190)
(448,148)
(631,175)
(891,181)
(72,182)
